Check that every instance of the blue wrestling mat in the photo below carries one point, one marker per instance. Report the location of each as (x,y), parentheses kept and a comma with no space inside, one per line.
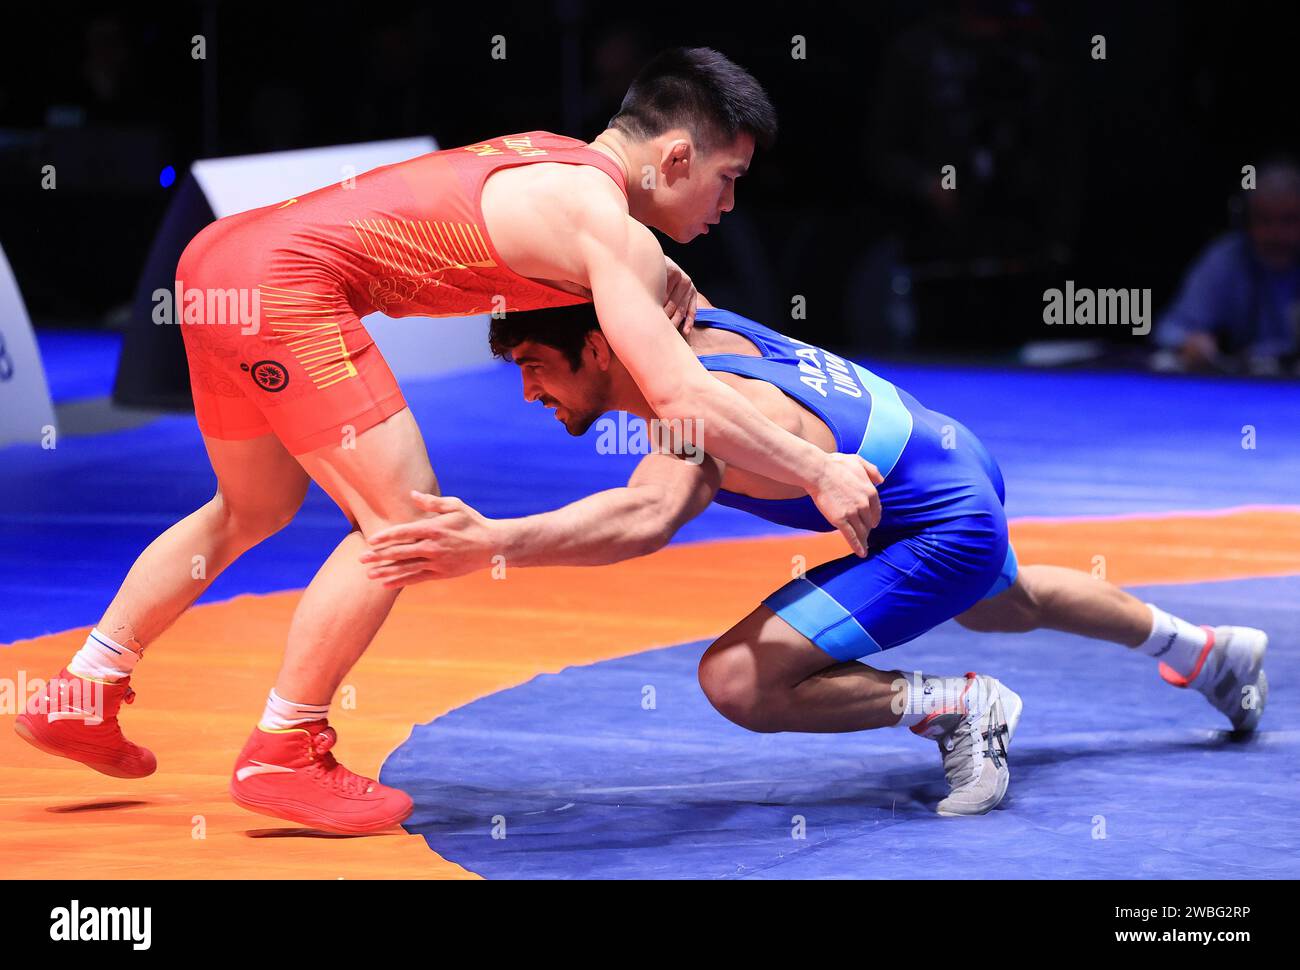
(1114,774)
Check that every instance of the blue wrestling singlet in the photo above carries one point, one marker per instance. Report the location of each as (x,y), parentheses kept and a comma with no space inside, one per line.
(941,545)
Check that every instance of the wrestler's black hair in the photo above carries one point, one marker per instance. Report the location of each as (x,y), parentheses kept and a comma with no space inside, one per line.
(698,89)
(564,328)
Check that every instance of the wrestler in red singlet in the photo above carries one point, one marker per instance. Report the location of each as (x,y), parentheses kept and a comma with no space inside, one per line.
(293,368)
(405,239)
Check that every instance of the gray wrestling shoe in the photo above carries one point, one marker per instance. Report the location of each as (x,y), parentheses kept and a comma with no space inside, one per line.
(1230,674)
(973,738)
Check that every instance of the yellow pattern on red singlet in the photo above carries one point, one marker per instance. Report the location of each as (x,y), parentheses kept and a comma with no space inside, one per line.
(308,324)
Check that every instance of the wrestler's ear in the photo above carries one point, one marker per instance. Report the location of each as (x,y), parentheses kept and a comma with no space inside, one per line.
(678,153)
(599,348)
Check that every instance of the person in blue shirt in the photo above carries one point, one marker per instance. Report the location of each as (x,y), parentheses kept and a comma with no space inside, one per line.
(1239,304)
(938,548)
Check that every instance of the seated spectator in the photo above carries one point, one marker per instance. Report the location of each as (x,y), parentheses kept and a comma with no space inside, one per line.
(1239,305)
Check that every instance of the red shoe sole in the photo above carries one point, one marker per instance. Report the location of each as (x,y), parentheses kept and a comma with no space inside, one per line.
(24,731)
(306,815)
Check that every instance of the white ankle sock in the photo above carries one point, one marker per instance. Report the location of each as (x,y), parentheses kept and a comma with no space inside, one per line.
(103,659)
(928,695)
(1175,641)
(280,715)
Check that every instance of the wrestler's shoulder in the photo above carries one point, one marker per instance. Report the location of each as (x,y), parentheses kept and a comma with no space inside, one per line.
(571,190)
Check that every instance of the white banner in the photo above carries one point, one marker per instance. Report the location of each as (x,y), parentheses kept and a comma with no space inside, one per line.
(26,413)
(413,346)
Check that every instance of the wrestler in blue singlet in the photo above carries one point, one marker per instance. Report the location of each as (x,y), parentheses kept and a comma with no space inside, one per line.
(941,545)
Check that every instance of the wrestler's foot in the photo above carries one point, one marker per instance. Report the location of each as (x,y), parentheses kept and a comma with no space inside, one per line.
(1230,674)
(291,774)
(973,737)
(76,718)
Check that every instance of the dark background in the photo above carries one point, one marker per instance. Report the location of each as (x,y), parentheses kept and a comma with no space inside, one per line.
(1113,173)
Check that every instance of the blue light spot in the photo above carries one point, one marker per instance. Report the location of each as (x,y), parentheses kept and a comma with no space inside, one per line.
(166,177)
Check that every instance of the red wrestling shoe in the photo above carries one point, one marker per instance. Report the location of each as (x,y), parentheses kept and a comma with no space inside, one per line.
(291,774)
(76,718)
